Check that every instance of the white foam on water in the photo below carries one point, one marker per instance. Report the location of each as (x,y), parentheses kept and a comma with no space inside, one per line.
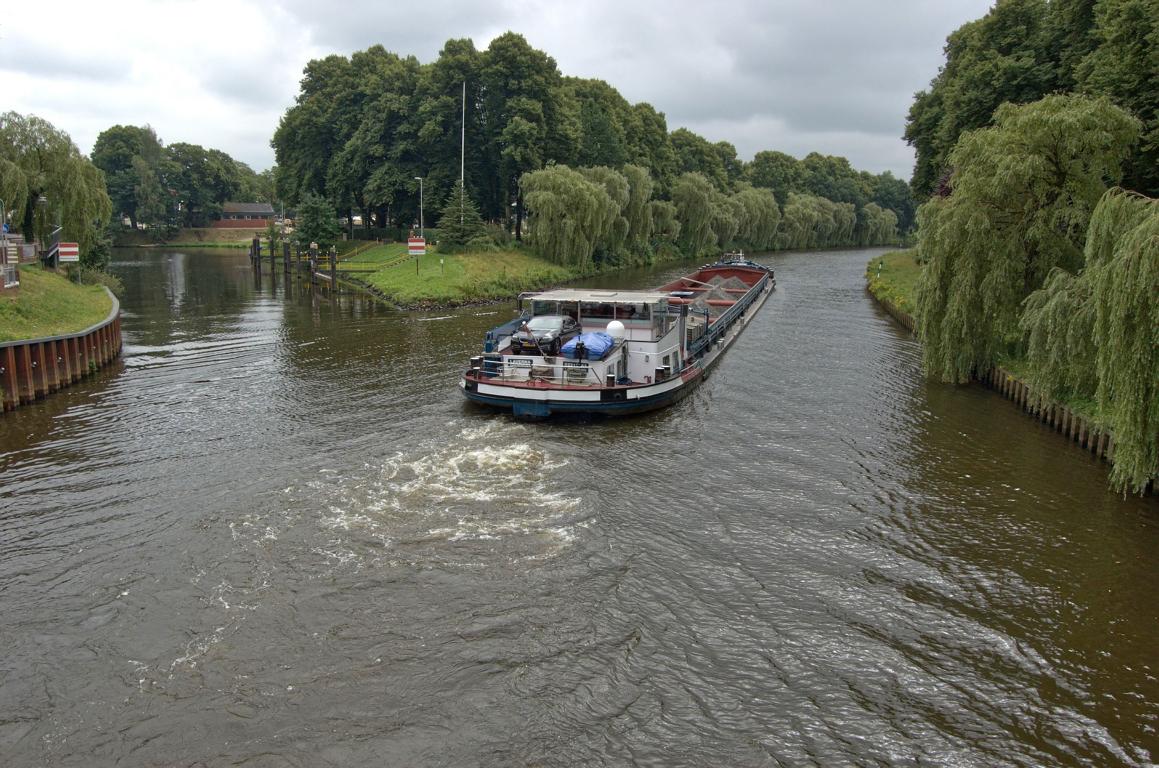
(490,483)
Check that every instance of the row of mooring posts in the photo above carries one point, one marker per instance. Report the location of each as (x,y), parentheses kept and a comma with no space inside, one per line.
(310,263)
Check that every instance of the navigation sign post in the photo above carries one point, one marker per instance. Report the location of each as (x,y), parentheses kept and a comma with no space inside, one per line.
(69,253)
(416,246)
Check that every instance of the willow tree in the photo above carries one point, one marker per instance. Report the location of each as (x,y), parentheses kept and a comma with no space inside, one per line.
(569,215)
(1095,335)
(638,212)
(1059,322)
(1124,291)
(876,225)
(693,195)
(727,216)
(1022,195)
(611,246)
(665,222)
(799,222)
(46,180)
(758,226)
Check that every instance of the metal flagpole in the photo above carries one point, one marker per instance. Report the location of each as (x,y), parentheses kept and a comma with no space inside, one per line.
(462,153)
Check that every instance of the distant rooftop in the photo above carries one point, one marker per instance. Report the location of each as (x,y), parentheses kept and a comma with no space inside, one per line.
(265,208)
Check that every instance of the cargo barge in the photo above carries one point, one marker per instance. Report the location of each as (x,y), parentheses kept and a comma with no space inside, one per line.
(615,353)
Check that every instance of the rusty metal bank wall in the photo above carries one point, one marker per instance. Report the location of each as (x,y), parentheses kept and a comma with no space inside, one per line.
(34,368)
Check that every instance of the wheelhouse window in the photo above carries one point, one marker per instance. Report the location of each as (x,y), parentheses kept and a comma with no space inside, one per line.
(546,323)
(539,307)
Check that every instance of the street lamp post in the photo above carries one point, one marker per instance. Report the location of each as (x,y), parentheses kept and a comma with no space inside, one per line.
(3,243)
(419,179)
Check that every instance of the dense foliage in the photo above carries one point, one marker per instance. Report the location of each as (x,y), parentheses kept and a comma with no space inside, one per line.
(1023,50)
(182,185)
(1022,193)
(363,127)
(316,222)
(1095,335)
(45,181)
(460,225)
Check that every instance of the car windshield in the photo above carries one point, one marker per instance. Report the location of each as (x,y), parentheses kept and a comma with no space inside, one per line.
(545,323)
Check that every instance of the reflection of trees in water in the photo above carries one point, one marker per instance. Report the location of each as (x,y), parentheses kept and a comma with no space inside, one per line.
(1017,535)
(170,294)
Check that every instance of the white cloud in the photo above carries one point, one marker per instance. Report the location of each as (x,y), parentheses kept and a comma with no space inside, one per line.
(793,75)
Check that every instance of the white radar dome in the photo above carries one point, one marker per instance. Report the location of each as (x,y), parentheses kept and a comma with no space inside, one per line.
(616,330)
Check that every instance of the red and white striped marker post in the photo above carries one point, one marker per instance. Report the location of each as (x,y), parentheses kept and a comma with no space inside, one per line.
(416,246)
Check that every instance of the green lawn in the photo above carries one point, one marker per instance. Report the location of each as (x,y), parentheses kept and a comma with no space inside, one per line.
(374,257)
(47,304)
(897,278)
(460,278)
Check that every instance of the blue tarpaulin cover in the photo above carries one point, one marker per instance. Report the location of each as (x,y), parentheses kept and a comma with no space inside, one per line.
(596,345)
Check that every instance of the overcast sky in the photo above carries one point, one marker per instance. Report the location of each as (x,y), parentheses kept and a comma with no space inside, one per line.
(833,76)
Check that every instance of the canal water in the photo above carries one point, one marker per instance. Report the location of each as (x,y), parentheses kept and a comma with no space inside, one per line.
(278,536)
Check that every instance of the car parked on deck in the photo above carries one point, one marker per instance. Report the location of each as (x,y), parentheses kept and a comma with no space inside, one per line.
(544,335)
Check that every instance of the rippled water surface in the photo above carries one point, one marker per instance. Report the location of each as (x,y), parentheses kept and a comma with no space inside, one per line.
(278,536)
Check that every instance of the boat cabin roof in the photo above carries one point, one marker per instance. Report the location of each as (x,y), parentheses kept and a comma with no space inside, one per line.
(609,296)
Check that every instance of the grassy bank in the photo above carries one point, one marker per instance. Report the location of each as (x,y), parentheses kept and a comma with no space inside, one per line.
(47,304)
(458,279)
(893,277)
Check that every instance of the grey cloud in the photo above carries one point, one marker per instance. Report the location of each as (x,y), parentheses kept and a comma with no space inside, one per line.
(40,59)
(413,28)
(795,75)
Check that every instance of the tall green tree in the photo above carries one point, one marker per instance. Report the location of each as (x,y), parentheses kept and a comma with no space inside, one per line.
(1023,192)
(1124,66)
(131,158)
(202,180)
(649,146)
(459,222)
(1005,56)
(832,178)
(317,222)
(775,171)
(695,154)
(604,117)
(45,179)
(523,101)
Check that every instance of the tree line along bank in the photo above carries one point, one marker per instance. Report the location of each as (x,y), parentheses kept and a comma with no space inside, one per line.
(1039,240)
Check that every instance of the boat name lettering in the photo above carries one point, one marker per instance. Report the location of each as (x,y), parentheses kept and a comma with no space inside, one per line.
(574,364)
(519,362)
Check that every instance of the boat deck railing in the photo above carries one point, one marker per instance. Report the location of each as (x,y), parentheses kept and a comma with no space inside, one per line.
(494,369)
